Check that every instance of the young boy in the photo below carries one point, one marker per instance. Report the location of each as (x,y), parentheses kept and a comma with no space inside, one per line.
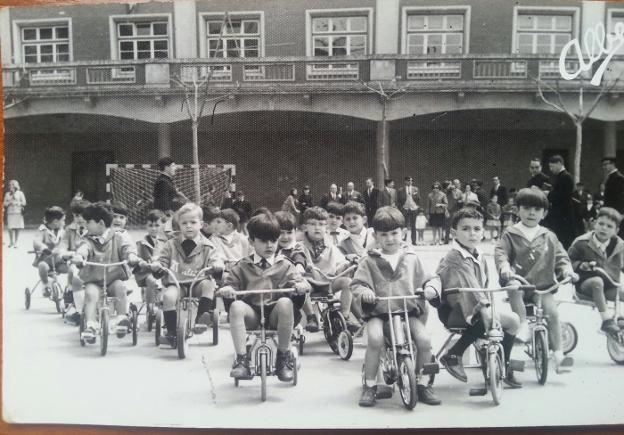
(147,250)
(335,214)
(74,236)
(360,239)
(49,236)
(288,246)
(393,270)
(185,255)
(103,244)
(465,266)
(600,248)
(325,256)
(264,269)
(211,213)
(232,244)
(533,252)
(120,219)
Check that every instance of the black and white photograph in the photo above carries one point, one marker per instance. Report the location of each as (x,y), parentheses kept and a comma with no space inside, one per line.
(313,214)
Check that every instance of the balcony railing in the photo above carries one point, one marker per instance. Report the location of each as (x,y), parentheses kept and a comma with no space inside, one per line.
(440,70)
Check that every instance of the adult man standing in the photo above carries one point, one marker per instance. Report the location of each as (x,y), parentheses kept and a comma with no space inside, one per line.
(477,188)
(331,196)
(499,190)
(408,203)
(351,194)
(614,187)
(371,200)
(166,196)
(538,178)
(388,194)
(560,218)
(305,200)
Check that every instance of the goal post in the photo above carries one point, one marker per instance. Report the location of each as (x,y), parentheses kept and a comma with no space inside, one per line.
(133,184)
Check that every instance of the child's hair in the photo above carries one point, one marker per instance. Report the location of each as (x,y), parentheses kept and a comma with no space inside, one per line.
(556,159)
(610,213)
(264,227)
(164,162)
(99,211)
(77,207)
(210,213)
(155,216)
(231,216)
(531,197)
(387,219)
(286,220)
(119,208)
(495,196)
(465,213)
(336,208)
(318,213)
(354,207)
(187,208)
(388,181)
(53,213)
(260,210)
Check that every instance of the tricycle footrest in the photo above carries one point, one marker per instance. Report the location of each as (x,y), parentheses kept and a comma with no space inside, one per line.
(478,391)
(431,369)
(516,365)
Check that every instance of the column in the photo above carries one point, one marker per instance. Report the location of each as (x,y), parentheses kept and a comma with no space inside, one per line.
(185,29)
(592,13)
(164,140)
(386,33)
(610,139)
(382,153)
(5,36)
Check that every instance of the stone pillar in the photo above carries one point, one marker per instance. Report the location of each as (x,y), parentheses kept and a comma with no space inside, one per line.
(387,14)
(609,146)
(185,29)
(5,37)
(164,140)
(382,153)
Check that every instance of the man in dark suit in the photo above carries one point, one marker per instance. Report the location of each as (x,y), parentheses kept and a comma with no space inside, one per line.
(538,178)
(351,194)
(166,196)
(387,197)
(477,188)
(331,196)
(371,200)
(500,191)
(614,187)
(408,202)
(560,218)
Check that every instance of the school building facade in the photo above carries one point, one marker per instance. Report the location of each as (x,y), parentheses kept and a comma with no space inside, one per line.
(300,91)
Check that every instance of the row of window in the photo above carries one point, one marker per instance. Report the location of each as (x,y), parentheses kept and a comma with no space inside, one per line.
(329,36)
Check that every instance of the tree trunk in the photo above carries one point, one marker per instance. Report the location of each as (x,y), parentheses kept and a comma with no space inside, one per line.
(577,151)
(197,195)
(382,152)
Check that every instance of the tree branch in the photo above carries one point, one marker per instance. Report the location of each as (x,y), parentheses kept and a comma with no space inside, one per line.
(603,90)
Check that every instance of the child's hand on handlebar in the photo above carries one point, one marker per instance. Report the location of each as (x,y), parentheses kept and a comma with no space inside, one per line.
(506,272)
(78,260)
(571,274)
(156,267)
(368,296)
(227,292)
(302,287)
(352,258)
(586,266)
(218,266)
(430,293)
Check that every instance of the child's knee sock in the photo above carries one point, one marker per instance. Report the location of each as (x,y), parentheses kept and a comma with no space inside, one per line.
(171,320)
(508,341)
(205,305)
(470,335)
(79,298)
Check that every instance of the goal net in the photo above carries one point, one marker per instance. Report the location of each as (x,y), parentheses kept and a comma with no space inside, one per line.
(134,185)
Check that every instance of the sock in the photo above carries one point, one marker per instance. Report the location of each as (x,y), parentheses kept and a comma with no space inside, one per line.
(370,383)
(171,319)
(508,341)
(470,335)
(79,297)
(205,305)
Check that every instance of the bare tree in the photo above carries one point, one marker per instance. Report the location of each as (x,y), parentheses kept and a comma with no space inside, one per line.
(578,114)
(196,96)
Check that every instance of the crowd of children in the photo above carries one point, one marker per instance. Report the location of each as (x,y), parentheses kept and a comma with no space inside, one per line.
(278,254)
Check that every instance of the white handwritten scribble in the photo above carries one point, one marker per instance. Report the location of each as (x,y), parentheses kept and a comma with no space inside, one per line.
(595,47)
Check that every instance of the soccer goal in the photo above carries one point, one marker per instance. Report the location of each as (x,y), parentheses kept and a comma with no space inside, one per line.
(134,185)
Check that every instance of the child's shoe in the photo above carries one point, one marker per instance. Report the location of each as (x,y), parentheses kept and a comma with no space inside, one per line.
(47,291)
(426,395)
(312,323)
(284,366)
(511,380)
(123,326)
(202,323)
(368,396)
(172,338)
(353,325)
(609,326)
(240,368)
(384,391)
(562,361)
(90,332)
(454,366)
(524,333)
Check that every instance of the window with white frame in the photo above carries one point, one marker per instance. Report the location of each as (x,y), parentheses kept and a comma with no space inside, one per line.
(435,34)
(233,37)
(543,33)
(615,17)
(143,39)
(46,43)
(339,36)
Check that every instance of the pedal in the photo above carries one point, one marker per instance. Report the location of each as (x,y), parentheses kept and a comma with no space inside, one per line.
(88,337)
(516,365)
(478,391)
(431,369)
(200,328)
(245,378)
